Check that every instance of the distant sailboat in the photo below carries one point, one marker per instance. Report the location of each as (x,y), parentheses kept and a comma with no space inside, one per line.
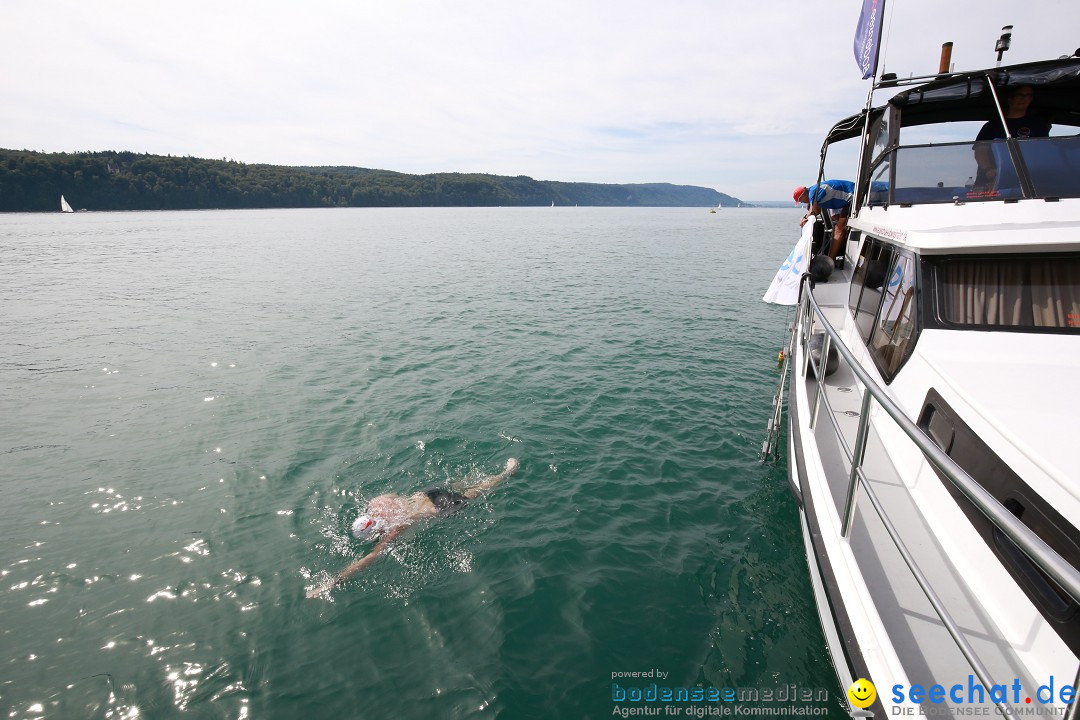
(718,206)
(64,207)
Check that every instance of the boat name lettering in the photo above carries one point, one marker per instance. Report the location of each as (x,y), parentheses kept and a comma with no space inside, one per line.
(889,233)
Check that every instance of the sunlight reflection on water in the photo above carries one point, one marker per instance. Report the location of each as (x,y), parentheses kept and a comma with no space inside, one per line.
(197,405)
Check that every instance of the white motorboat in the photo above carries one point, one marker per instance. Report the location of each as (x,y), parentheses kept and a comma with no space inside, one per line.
(933,463)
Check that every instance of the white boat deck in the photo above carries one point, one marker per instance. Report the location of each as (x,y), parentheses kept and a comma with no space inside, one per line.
(914,641)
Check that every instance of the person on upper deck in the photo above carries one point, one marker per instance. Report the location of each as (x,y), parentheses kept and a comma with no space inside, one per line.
(834,196)
(1019,123)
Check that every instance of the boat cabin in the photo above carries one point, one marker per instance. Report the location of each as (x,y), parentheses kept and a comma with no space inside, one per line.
(944,244)
(1046,168)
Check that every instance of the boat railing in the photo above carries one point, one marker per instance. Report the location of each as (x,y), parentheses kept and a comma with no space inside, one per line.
(810,316)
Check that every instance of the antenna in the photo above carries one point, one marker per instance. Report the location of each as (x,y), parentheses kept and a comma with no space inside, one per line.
(1003,42)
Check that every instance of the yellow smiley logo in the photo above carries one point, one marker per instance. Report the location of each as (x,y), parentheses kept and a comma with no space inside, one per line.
(862,693)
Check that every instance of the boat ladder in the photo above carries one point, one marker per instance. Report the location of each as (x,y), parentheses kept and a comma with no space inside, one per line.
(770,448)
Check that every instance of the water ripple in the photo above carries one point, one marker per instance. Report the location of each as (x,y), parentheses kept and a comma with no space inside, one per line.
(197,405)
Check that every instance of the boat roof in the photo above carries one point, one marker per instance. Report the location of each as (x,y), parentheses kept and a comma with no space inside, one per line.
(965,96)
(1027,226)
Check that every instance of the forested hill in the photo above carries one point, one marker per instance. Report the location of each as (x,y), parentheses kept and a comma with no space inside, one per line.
(32,181)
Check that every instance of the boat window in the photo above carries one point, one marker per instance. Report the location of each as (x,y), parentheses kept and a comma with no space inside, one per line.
(878,190)
(1054,165)
(1036,293)
(842,156)
(948,431)
(941,133)
(880,133)
(928,174)
(867,284)
(936,173)
(883,301)
(892,340)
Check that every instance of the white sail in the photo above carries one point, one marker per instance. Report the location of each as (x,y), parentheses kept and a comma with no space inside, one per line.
(64,207)
(785,286)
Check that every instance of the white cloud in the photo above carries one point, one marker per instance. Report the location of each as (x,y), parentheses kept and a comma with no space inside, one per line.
(731,95)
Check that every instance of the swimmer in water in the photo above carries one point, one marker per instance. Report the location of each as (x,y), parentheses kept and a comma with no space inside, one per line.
(391,514)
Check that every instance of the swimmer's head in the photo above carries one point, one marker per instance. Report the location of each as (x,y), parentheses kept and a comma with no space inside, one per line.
(385,512)
(366,526)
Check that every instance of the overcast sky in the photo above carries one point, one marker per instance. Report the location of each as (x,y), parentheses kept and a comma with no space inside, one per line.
(733,95)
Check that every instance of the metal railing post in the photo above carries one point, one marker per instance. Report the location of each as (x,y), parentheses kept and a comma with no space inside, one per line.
(804,330)
(819,374)
(856,464)
(1073,711)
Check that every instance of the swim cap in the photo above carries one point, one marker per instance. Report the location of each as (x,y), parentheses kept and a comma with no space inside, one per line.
(365,526)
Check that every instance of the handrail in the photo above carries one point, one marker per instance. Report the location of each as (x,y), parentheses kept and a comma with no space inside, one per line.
(1049,561)
(939,607)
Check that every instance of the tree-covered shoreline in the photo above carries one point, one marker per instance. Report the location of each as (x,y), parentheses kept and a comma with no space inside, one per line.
(33,182)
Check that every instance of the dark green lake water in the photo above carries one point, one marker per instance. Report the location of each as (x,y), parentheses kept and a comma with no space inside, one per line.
(196,405)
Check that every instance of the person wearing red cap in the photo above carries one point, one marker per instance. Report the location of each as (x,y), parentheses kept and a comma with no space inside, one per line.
(834,196)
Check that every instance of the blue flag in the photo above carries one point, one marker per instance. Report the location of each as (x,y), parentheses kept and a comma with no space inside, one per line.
(867,35)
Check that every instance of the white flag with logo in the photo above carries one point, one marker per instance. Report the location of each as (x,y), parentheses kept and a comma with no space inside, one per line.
(785,286)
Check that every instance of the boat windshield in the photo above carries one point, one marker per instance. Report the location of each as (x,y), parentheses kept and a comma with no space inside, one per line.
(1038,293)
(927,174)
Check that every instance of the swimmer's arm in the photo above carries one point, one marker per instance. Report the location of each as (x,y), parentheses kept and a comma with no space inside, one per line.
(477,490)
(357,565)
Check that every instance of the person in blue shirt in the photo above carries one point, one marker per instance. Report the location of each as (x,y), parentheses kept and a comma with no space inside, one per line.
(833,196)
